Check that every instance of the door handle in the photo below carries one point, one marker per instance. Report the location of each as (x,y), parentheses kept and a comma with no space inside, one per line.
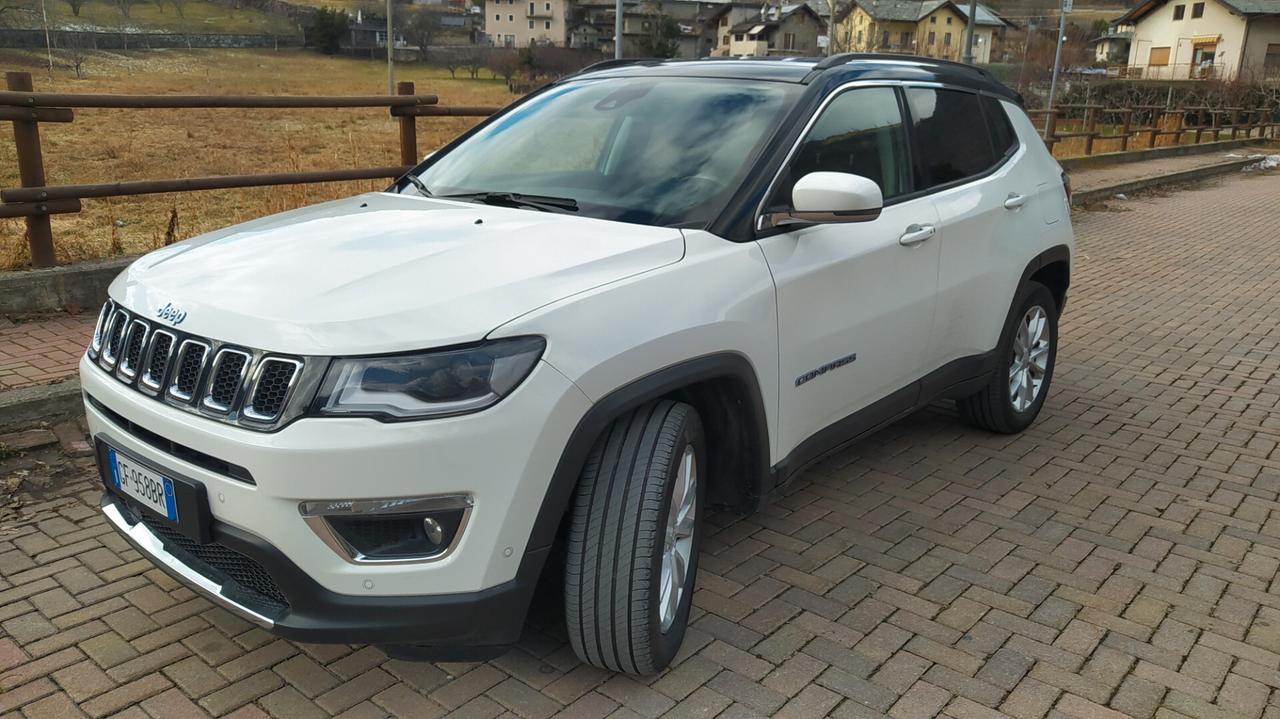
(916,234)
(1014,201)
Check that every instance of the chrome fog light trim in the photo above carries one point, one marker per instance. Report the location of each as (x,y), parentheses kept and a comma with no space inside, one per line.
(318,513)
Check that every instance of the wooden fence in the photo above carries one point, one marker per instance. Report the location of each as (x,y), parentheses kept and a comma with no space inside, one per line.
(1141,126)
(35,201)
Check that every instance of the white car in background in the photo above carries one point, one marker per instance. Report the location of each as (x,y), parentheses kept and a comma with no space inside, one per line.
(645,290)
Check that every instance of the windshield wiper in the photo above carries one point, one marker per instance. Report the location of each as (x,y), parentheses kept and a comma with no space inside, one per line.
(418,185)
(544,203)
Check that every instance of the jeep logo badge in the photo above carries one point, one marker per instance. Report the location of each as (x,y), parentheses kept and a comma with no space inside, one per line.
(172,314)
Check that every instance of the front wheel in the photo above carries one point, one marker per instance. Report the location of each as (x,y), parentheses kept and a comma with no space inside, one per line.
(1019,384)
(633,539)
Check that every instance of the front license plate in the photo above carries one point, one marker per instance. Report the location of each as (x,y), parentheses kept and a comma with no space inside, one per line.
(148,488)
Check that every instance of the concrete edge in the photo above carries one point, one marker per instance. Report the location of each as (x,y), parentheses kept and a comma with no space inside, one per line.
(49,403)
(80,286)
(1106,159)
(1170,178)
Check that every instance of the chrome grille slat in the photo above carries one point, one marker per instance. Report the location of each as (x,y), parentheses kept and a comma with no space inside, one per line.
(156,364)
(226,379)
(272,383)
(100,328)
(189,370)
(114,336)
(132,346)
(236,385)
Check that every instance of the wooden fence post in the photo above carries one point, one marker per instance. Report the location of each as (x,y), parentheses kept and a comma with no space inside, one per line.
(408,130)
(1128,128)
(26,139)
(1091,127)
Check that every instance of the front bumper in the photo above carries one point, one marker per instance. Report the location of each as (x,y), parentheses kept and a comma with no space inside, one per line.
(475,596)
(466,626)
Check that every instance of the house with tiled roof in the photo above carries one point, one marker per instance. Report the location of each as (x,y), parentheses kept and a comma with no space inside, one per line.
(931,28)
(1204,39)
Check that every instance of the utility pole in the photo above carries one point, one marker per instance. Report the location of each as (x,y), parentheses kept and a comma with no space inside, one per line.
(973,25)
(391,50)
(617,30)
(1057,61)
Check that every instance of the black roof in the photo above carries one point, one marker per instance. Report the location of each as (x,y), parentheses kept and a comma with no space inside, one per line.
(840,68)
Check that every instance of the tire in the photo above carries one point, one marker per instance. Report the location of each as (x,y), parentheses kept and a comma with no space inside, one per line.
(995,407)
(618,539)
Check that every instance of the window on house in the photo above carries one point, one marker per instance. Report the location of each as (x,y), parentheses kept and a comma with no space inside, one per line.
(724,40)
(1179,12)
(933,19)
(1271,64)
(933,37)
(546,24)
(861,132)
(530,24)
(789,41)
(548,7)
(511,18)
(952,139)
(738,37)
(1197,10)
(905,39)
(1159,57)
(497,18)
(530,8)
(884,39)
(859,38)
(949,21)
(946,39)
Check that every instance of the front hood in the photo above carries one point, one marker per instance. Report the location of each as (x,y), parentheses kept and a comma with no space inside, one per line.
(384,273)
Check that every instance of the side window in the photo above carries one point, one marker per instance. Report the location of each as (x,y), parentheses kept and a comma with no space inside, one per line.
(951,135)
(1003,137)
(860,132)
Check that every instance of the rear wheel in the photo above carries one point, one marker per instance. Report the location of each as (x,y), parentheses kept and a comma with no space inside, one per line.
(1017,387)
(633,539)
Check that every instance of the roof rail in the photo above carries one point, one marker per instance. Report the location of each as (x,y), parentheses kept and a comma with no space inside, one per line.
(847,57)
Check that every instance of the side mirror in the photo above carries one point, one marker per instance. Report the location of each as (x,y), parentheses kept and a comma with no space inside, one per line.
(827,198)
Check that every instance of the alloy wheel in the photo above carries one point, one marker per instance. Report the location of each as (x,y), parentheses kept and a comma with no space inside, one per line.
(677,550)
(1030,359)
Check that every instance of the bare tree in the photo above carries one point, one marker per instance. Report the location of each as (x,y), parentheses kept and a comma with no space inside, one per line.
(504,62)
(75,6)
(75,45)
(125,6)
(180,6)
(475,60)
(451,59)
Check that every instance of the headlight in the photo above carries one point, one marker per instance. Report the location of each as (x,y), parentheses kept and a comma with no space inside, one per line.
(428,384)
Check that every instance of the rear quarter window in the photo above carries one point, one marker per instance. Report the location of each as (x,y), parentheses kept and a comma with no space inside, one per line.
(952,138)
(1003,138)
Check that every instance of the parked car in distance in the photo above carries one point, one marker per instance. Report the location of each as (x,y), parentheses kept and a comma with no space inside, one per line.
(647,290)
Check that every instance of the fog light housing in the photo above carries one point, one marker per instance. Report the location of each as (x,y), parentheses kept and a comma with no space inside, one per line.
(401,530)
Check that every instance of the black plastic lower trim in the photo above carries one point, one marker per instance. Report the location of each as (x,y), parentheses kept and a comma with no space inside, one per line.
(463,626)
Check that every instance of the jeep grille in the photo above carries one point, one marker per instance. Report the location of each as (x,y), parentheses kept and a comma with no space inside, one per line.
(230,383)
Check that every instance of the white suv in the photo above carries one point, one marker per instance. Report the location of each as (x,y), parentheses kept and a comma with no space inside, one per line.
(643,291)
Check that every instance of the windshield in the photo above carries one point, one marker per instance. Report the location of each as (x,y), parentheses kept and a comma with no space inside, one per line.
(654,151)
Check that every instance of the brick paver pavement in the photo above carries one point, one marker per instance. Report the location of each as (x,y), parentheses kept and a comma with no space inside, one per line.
(42,350)
(1120,557)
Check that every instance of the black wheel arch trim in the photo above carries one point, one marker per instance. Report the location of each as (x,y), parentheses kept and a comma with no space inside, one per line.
(721,365)
(1057,253)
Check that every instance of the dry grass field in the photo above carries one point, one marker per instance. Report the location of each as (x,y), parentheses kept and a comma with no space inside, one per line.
(110,145)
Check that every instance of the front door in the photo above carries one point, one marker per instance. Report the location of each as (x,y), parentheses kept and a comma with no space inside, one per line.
(855,301)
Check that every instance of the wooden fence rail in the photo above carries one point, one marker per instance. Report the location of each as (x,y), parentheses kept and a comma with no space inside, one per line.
(35,201)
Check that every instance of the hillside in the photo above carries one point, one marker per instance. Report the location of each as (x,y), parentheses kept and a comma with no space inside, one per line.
(187,16)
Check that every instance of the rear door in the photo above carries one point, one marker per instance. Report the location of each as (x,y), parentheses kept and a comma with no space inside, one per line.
(969,158)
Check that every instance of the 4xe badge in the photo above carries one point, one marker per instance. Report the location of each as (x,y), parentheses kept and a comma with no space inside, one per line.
(171,314)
